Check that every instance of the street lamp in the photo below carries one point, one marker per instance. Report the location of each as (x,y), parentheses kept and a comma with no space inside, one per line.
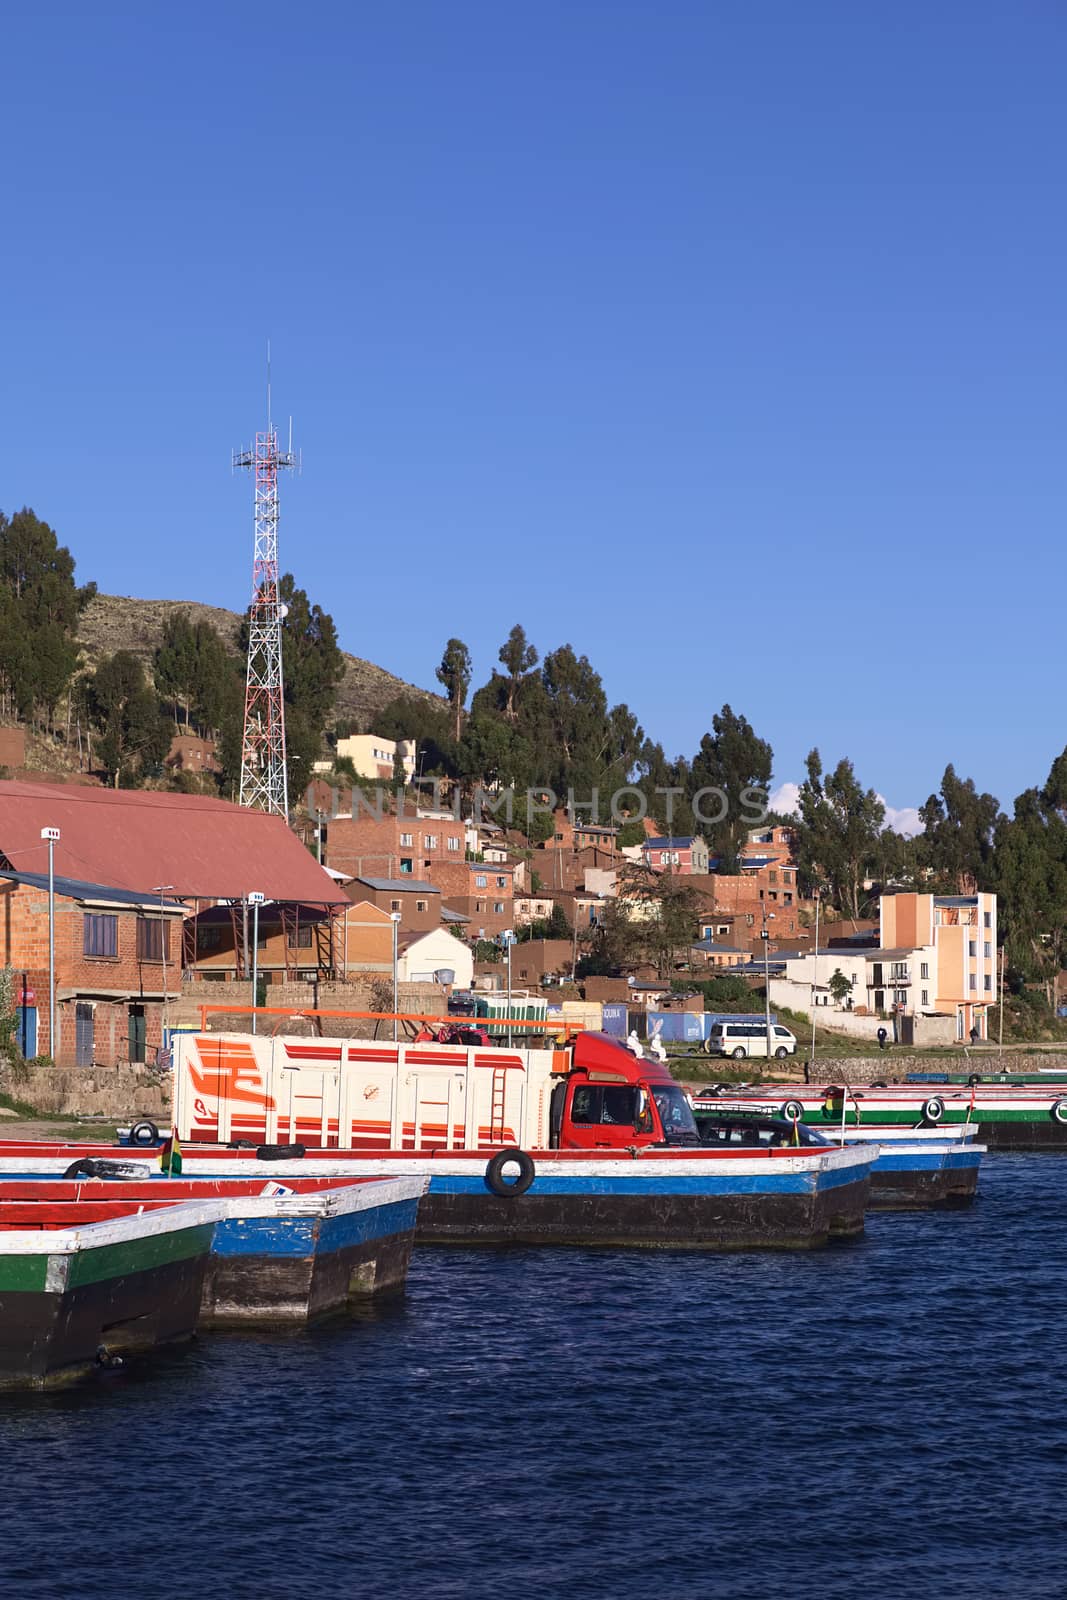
(161,889)
(765,936)
(255,900)
(395,916)
(51,836)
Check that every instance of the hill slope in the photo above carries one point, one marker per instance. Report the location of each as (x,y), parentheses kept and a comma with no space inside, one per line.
(118,622)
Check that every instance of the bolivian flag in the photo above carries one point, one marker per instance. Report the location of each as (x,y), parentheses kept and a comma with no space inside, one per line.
(170,1157)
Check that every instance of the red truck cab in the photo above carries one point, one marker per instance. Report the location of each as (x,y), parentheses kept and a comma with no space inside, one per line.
(610,1099)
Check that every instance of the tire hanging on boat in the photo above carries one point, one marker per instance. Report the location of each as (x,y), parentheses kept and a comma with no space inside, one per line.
(144,1132)
(933,1109)
(509,1189)
(280,1152)
(792,1110)
(1058,1111)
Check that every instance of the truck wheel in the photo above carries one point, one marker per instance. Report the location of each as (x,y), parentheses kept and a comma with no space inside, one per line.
(510,1188)
(740,1053)
(781,1053)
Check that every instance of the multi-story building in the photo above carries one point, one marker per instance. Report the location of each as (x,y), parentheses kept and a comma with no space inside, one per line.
(482,893)
(374,757)
(367,844)
(962,929)
(936,958)
(572,833)
(684,855)
(418,901)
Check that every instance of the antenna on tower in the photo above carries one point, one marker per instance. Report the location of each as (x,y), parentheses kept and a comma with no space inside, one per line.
(264,780)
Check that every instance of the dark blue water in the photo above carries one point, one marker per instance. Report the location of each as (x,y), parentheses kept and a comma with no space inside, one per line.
(884,1418)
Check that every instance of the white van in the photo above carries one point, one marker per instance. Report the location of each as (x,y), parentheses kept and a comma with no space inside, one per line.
(741,1039)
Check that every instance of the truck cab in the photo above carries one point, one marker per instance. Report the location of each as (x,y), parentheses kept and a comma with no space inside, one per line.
(608,1098)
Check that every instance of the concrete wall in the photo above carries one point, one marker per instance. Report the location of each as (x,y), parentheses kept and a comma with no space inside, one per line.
(424,999)
(116,1093)
(894,1065)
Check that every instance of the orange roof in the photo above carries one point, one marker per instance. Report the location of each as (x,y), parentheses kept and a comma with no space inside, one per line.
(137,839)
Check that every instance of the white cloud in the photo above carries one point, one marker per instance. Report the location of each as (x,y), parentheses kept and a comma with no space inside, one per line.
(902,819)
(786,799)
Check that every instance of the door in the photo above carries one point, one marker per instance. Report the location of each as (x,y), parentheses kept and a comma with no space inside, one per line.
(26,1030)
(83,1035)
(137,1034)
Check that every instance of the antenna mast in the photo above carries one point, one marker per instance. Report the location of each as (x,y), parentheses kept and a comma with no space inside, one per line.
(264,781)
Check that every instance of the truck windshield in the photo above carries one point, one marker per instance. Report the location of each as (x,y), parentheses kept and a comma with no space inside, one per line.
(675,1114)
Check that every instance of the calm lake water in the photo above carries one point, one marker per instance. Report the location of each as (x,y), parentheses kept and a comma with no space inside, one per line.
(885,1418)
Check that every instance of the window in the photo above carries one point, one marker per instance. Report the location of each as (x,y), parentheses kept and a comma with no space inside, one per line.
(972,982)
(153,939)
(298,938)
(987,949)
(480,880)
(987,984)
(988,919)
(972,947)
(405,865)
(501,882)
(498,906)
(430,841)
(772,876)
(926,997)
(395,905)
(100,936)
(924,969)
(453,842)
(788,899)
(479,905)
(615,1105)
(406,841)
(208,939)
(420,905)
(900,971)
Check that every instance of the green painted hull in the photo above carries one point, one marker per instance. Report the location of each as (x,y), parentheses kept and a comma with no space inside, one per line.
(66,1311)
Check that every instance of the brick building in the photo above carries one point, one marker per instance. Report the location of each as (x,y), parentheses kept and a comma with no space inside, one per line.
(685,854)
(390,846)
(572,833)
(117,953)
(418,901)
(484,894)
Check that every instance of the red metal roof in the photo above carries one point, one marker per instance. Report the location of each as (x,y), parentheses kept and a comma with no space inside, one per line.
(136,839)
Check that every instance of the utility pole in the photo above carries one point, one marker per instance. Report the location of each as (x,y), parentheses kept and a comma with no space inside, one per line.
(161,889)
(51,836)
(815,980)
(255,900)
(766,937)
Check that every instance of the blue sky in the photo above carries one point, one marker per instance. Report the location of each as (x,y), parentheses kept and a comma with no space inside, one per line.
(726,342)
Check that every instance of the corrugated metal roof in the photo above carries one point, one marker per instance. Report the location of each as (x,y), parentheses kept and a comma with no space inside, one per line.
(395,885)
(78,889)
(133,839)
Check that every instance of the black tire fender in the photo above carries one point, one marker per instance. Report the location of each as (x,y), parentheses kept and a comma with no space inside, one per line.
(1058,1111)
(281,1152)
(510,1189)
(933,1109)
(792,1110)
(144,1132)
(85,1168)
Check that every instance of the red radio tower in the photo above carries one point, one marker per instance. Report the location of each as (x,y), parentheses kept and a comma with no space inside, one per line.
(264,782)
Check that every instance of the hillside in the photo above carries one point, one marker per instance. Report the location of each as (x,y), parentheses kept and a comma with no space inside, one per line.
(117,622)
